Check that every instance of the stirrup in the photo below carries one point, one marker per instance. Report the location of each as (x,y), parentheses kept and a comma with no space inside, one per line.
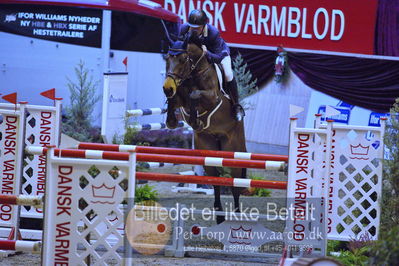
(238,112)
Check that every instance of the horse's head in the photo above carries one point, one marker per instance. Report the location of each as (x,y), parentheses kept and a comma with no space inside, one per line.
(181,61)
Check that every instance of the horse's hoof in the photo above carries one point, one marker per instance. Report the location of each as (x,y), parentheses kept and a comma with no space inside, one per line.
(220,219)
(195,126)
(171,124)
(198,125)
(238,112)
(285,168)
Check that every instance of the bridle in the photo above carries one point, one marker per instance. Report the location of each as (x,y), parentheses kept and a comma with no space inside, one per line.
(178,79)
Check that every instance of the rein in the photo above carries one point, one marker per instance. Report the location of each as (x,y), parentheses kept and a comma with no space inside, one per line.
(193,66)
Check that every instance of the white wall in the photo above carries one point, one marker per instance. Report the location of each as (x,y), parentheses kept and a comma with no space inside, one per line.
(358,116)
(29,66)
(267,119)
(145,80)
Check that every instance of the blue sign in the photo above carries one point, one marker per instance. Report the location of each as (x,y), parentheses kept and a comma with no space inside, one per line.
(374,120)
(343,117)
(344,104)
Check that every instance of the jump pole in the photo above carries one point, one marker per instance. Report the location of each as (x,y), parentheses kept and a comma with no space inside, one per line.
(156,126)
(194,160)
(186,152)
(20,245)
(212,180)
(23,200)
(145,111)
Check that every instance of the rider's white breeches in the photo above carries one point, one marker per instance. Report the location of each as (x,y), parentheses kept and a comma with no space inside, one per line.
(228,70)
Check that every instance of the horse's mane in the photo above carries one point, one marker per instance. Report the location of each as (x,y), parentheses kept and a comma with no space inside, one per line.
(180,45)
(190,38)
(194,39)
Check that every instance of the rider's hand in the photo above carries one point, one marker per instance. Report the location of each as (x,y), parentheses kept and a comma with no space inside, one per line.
(204,48)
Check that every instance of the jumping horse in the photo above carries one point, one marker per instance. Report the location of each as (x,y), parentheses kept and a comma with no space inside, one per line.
(192,86)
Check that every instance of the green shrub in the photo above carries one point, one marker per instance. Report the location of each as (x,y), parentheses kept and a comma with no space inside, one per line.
(78,116)
(355,258)
(130,135)
(336,245)
(357,250)
(260,192)
(390,192)
(246,84)
(386,250)
(146,194)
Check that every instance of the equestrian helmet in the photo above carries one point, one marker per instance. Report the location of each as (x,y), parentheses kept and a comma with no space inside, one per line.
(197,18)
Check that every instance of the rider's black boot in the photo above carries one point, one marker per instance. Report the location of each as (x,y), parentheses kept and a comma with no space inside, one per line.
(237,110)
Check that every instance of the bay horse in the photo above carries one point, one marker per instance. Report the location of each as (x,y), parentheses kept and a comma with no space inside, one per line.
(192,86)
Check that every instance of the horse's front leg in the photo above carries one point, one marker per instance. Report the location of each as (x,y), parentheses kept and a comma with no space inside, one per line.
(195,98)
(171,120)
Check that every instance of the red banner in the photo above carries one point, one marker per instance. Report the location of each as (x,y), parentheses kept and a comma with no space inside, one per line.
(11,98)
(338,26)
(49,94)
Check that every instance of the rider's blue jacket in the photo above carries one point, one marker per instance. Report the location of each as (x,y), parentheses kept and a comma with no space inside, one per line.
(216,46)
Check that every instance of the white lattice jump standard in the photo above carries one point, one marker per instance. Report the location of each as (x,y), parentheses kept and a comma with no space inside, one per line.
(26,124)
(355,180)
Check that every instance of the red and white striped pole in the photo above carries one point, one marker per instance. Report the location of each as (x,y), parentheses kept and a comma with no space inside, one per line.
(212,180)
(186,152)
(21,245)
(23,200)
(193,160)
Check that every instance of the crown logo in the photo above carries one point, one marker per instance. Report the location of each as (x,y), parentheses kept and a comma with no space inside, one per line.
(360,150)
(239,235)
(103,191)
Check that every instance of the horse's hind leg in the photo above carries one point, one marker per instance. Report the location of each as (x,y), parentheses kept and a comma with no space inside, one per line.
(217,204)
(235,141)
(208,142)
(236,191)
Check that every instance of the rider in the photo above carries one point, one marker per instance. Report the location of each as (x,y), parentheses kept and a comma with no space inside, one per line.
(216,51)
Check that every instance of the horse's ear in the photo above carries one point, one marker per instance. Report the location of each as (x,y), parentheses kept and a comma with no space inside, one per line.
(181,38)
(170,42)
